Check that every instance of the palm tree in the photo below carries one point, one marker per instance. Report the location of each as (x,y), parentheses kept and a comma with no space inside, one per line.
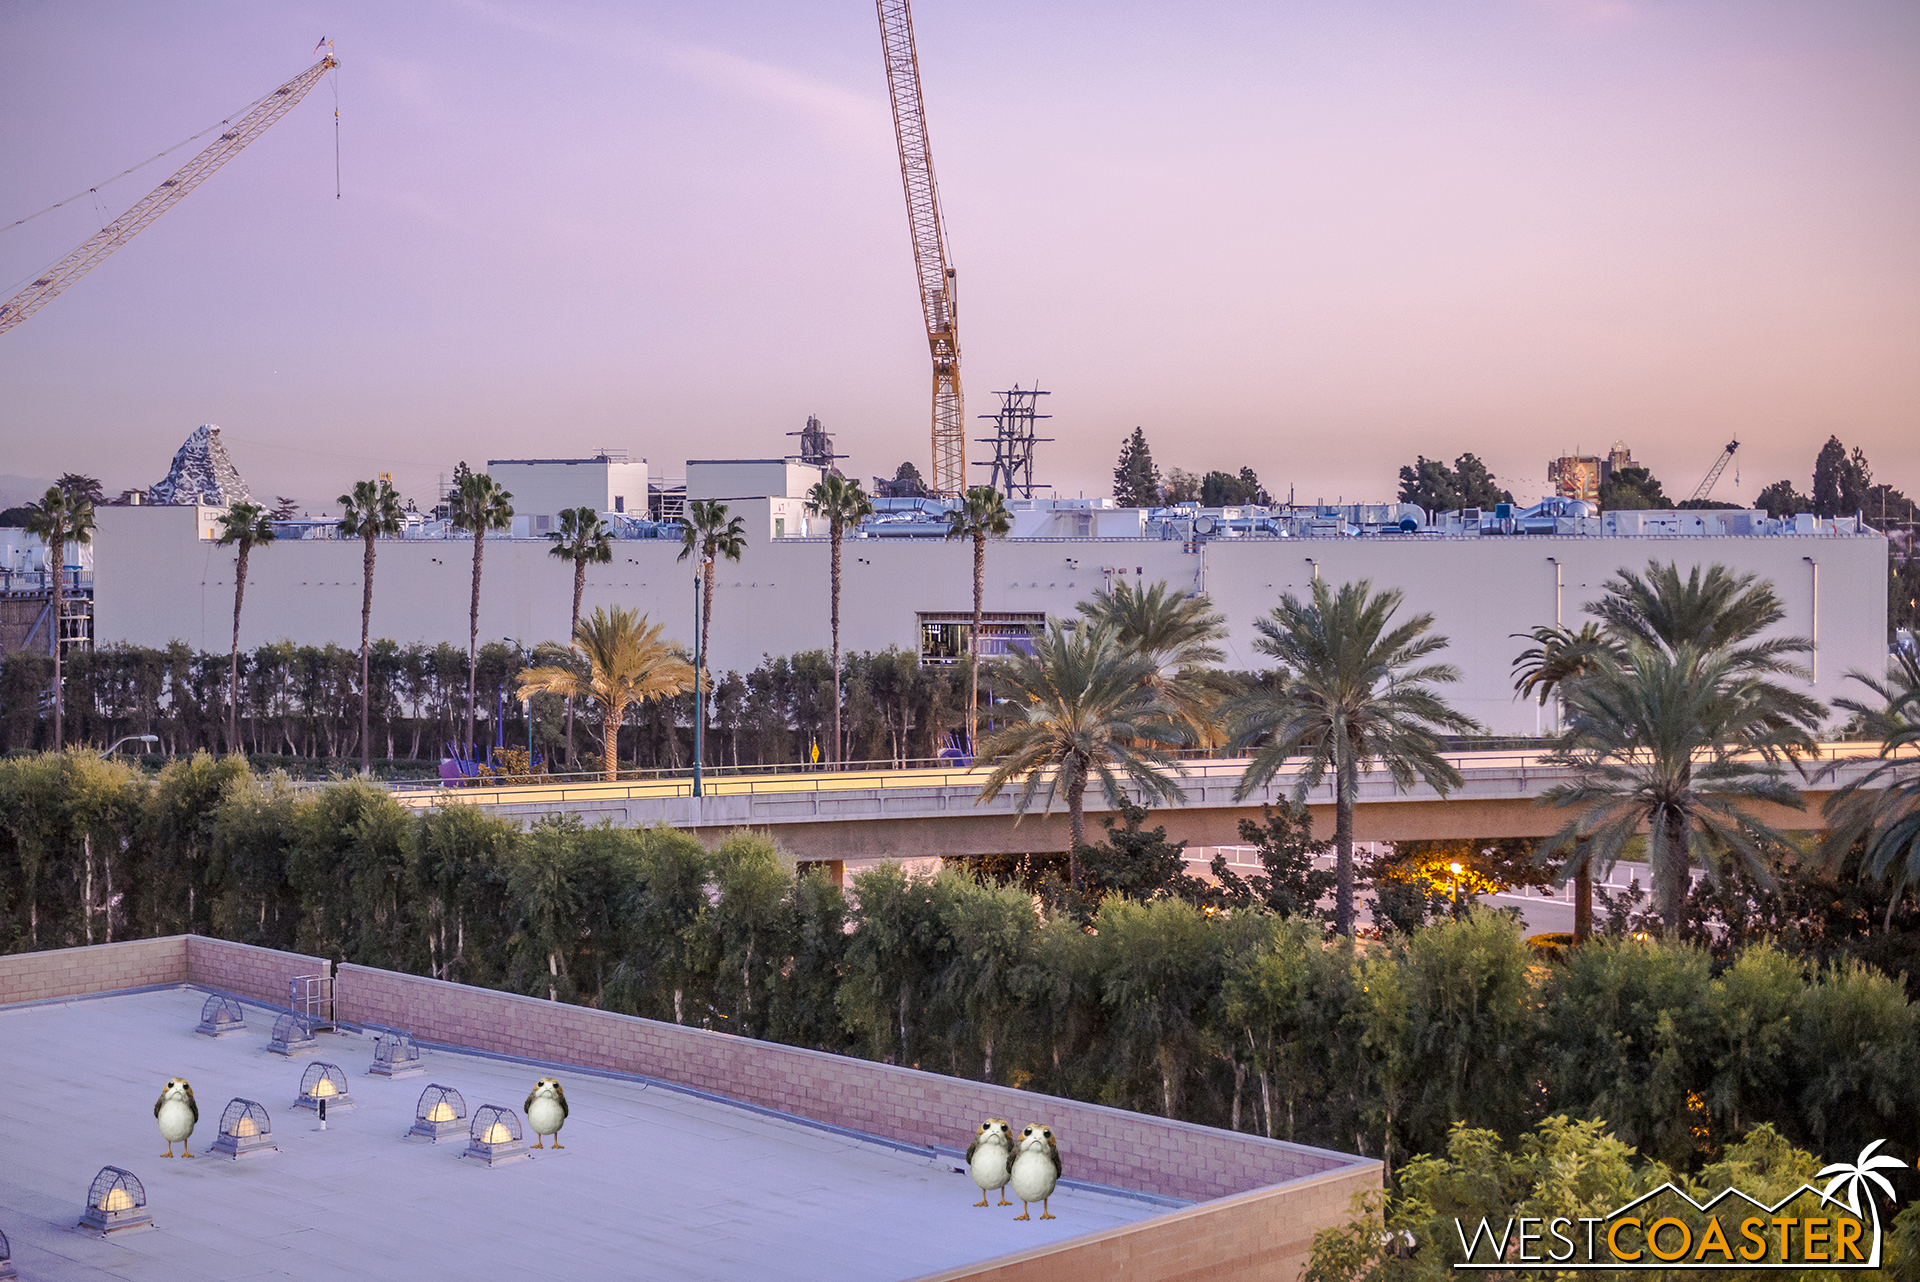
(1560,655)
(1666,738)
(62,516)
(479,505)
(371,510)
(1856,1176)
(244,526)
(1881,811)
(982,515)
(627,662)
(843,503)
(1351,692)
(583,539)
(1083,707)
(1180,634)
(711,534)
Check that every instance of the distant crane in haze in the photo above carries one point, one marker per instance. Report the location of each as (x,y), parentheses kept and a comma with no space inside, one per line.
(931,258)
(254,122)
(1719,466)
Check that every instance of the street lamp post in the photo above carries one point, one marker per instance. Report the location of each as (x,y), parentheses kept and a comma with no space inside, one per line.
(699,687)
(1456,888)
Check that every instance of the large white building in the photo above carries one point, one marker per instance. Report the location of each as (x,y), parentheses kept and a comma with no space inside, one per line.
(159,577)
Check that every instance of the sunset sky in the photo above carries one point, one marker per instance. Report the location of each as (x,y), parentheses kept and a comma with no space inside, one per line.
(1313,238)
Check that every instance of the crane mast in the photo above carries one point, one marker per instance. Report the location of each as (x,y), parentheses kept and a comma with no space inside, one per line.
(229,144)
(1719,466)
(932,262)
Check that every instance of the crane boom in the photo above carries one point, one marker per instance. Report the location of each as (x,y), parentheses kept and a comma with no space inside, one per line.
(932,262)
(1719,466)
(229,144)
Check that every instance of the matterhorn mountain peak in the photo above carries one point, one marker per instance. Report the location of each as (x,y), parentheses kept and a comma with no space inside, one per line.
(201,473)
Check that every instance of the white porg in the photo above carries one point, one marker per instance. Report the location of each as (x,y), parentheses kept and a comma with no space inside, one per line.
(990,1158)
(1036,1169)
(546,1110)
(177,1114)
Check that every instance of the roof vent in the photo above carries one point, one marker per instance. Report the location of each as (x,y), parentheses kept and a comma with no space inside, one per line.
(494,1137)
(395,1055)
(245,1129)
(292,1035)
(220,1016)
(441,1112)
(323,1082)
(6,1258)
(116,1202)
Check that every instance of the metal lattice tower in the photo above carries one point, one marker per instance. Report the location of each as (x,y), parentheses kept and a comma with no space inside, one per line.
(256,121)
(1013,441)
(931,259)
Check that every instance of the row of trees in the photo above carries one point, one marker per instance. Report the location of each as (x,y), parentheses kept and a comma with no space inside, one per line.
(1137,481)
(1239,1018)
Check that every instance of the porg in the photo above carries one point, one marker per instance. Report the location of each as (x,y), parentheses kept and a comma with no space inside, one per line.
(176,1114)
(990,1158)
(546,1110)
(1036,1170)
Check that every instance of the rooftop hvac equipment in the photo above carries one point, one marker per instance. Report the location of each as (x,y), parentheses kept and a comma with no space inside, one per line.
(441,1112)
(116,1202)
(245,1130)
(221,1016)
(494,1136)
(6,1259)
(323,1082)
(292,1035)
(395,1055)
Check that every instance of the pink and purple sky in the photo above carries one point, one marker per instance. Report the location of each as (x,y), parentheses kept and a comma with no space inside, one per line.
(1315,238)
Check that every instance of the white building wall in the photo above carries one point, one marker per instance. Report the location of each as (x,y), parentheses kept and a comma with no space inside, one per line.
(156,582)
(547,487)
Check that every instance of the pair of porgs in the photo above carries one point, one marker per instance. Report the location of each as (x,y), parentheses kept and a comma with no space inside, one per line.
(1029,1165)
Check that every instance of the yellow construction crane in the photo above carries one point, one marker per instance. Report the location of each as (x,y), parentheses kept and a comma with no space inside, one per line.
(251,124)
(931,260)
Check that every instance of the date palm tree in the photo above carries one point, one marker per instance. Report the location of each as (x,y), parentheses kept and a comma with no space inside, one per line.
(842,503)
(1880,811)
(1560,655)
(1181,634)
(1684,743)
(243,527)
(1082,708)
(62,516)
(371,510)
(479,504)
(1352,691)
(710,535)
(583,539)
(627,662)
(982,515)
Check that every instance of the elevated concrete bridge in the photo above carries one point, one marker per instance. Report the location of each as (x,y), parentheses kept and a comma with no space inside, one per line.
(861,817)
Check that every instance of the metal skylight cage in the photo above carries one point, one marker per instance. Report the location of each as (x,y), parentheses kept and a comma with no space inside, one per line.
(117,1201)
(221,1016)
(292,1035)
(442,1111)
(494,1135)
(6,1258)
(395,1055)
(323,1082)
(245,1129)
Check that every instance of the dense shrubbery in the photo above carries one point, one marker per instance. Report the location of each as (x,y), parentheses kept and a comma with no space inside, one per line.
(1239,1018)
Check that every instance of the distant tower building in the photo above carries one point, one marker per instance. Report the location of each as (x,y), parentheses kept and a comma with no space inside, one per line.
(201,473)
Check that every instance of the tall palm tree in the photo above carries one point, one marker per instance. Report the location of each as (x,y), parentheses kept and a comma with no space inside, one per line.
(583,539)
(1881,810)
(1180,633)
(244,527)
(710,535)
(1083,708)
(62,516)
(842,503)
(370,511)
(1682,742)
(1352,691)
(982,515)
(1560,655)
(479,504)
(627,662)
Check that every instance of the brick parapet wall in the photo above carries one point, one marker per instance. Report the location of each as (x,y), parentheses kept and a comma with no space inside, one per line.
(1100,1145)
(259,973)
(75,972)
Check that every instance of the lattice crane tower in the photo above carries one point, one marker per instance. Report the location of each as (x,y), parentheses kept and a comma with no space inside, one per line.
(255,121)
(931,259)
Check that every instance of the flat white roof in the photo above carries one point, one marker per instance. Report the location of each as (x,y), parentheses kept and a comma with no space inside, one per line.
(653,1182)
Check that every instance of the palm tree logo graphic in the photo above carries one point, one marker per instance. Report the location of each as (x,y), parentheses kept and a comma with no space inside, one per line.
(1856,1177)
